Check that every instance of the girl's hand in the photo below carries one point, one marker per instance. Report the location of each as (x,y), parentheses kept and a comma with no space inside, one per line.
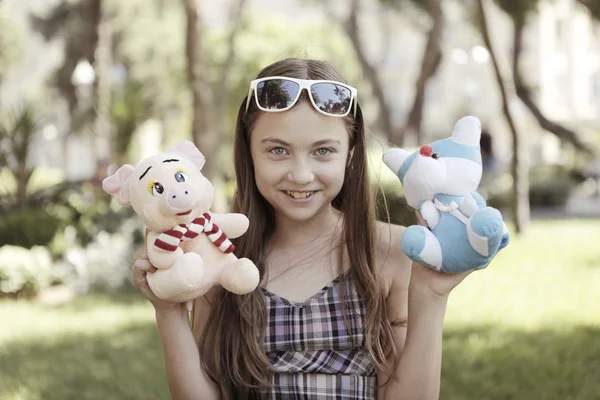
(141,268)
(437,283)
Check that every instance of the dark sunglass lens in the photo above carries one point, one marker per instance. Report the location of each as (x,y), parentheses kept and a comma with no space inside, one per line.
(331,98)
(277,93)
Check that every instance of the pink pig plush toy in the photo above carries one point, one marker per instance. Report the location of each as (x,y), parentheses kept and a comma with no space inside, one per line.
(187,243)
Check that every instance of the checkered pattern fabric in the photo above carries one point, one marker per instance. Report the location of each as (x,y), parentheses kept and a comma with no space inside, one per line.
(311,350)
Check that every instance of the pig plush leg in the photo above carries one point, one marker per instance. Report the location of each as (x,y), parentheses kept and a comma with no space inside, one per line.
(185,276)
(239,277)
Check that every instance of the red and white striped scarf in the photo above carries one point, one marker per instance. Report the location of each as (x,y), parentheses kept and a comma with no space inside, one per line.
(169,240)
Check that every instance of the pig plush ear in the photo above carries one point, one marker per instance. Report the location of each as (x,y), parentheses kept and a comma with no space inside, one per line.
(117,184)
(188,150)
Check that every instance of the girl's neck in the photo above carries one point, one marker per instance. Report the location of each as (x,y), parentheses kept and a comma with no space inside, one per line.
(289,233)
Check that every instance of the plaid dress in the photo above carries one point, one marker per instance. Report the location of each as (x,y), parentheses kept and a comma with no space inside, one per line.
(312,353)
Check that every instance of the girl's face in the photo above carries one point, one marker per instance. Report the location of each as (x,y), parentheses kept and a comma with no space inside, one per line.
(300,158)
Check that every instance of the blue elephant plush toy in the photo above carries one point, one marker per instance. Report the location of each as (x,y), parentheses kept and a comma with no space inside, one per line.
(440,180)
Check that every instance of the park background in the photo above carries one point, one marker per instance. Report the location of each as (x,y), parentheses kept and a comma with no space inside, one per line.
(87,85)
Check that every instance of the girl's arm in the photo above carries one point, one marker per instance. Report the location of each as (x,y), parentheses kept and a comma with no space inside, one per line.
(416,306)
(416,375)
(185,376)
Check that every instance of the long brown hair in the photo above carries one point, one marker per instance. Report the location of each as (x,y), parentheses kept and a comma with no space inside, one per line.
(232,342)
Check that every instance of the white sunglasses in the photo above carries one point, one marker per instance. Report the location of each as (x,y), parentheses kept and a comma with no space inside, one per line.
(280,93)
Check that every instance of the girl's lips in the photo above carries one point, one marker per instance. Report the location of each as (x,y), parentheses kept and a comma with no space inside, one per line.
(185,213)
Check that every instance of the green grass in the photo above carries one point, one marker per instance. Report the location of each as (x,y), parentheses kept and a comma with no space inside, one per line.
(95,348)
(528,327)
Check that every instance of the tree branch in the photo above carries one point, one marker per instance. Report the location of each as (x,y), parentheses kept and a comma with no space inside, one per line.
(520,198)
(353,31)
(593,6)
(432,58)
(524,93)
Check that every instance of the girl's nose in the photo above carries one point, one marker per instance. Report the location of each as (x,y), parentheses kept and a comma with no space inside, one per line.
(301,173)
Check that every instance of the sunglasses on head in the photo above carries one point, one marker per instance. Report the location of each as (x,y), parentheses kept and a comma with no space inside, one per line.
(280,93)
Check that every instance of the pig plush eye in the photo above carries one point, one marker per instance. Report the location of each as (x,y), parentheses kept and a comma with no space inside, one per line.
(180,176)
(155,188)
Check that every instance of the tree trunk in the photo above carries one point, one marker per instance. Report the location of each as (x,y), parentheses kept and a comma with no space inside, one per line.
(203,132)
(23,175)
(432,58)
(236,24)
(526,97)
(520,195)
(353,31)
(237,9)
(102,65)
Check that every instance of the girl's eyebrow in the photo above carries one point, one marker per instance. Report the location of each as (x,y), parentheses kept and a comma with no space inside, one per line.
(326,141)
(315,144)
(275,140)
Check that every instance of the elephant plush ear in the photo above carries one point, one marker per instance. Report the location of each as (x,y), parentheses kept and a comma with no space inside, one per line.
(467,131)
(394,158)
(189,150)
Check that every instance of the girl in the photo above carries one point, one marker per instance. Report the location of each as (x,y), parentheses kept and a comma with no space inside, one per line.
(330,318)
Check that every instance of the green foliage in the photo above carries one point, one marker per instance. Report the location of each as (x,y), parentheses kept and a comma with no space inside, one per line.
(28,227)
(422,4)
(264,41)
(150,42)
(126,112)
(24,272)
(11,37)
(389,203)
(17,127)
(49,210)
(76,23)
(550,185)
(90,216)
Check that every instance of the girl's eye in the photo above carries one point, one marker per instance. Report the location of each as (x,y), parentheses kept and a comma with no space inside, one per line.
(323,151)
(278,151)
(155,188)
(180,176)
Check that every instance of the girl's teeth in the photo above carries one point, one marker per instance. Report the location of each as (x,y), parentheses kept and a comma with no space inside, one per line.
(299,195)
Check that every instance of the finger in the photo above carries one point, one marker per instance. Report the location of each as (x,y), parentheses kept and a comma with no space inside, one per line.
(140,253)
(143,265)
(152,269)
(139,278)
(420,220)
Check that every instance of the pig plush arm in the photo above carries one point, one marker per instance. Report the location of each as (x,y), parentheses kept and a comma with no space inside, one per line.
(161,259)
(232,224)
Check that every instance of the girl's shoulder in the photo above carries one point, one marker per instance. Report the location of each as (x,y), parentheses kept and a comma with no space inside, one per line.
(393,266)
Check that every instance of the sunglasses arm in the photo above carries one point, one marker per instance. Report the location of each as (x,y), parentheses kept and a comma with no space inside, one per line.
(248,98)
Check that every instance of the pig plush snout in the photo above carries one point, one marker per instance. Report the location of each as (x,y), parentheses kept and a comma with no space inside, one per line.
(181,197)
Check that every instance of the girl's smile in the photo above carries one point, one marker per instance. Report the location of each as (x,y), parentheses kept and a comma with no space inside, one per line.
(301,196)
